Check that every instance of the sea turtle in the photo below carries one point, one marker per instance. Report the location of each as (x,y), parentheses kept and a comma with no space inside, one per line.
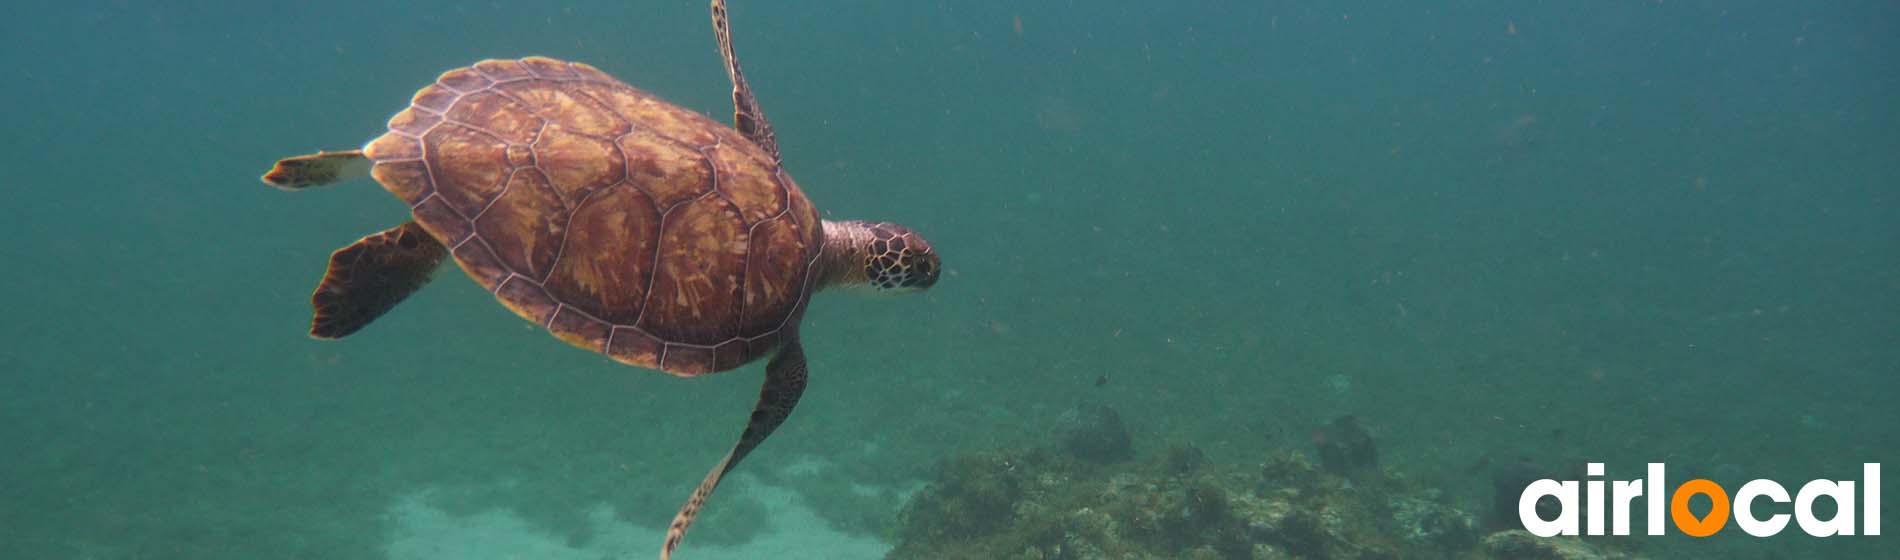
(621,223)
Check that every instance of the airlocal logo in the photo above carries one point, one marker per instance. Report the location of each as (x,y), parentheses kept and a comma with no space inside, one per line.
(1622,492)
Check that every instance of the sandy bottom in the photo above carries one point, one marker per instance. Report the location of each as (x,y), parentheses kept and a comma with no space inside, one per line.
(425,532)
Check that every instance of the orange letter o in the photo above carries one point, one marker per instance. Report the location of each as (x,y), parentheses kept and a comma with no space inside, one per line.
(1679,508)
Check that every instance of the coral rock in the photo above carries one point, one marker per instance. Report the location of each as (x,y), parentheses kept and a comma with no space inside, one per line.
(1345,448)
(1094,432)
(1173,505)
(1521,545)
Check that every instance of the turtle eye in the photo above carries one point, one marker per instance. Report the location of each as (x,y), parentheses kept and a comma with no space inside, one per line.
(922,268)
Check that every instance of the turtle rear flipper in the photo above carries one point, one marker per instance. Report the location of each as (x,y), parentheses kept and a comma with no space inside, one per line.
(321,168)
(371,276)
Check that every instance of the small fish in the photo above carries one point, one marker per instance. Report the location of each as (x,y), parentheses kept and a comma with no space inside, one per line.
(1101,380)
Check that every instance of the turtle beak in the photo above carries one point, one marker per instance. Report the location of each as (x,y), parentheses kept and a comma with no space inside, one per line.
(925,273)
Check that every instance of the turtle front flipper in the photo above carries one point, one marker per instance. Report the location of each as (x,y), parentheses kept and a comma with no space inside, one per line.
(321,168)
(371,276)
(747,117)
(784,382)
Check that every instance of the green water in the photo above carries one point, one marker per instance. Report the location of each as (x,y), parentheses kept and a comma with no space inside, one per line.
(1615,232)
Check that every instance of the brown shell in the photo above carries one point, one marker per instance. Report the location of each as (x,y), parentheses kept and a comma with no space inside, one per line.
(620,222)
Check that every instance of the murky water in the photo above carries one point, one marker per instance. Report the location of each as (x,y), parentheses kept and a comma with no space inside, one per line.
(1662,232)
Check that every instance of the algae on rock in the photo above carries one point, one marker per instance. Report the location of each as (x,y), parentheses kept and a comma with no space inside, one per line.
(1043,505)
(1074,500)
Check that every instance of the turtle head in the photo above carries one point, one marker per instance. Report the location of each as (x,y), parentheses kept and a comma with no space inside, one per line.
(881,255)
(899,259)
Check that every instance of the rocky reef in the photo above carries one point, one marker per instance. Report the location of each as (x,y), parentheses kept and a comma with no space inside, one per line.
(1063,502)
(1093,432)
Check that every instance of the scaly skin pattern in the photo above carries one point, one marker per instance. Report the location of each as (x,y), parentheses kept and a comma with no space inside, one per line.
(880,255)
(620,222)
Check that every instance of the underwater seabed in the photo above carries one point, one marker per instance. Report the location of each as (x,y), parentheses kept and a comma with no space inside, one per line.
(1084,493)
(425,528)
(1088,496)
